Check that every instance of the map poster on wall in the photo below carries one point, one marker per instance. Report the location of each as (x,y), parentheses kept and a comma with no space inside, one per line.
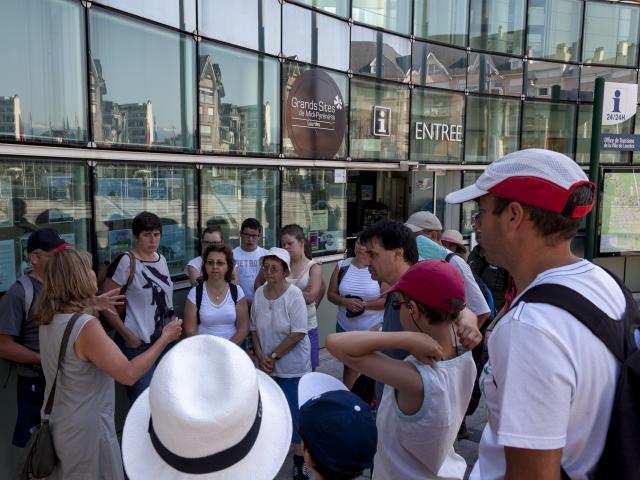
(7,265)
(620,227)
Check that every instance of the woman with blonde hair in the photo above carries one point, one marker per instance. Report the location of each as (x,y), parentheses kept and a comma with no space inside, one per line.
(81,419)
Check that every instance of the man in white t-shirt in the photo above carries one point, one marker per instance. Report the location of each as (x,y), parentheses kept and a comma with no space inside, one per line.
(247,256)
(549,384)
(428,225)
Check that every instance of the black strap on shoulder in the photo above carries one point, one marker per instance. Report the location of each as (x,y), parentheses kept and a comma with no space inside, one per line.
(449,257)
(63,348)
(199,292)
(608,330)
(233,288)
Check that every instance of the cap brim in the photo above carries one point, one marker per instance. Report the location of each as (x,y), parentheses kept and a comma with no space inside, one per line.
(413,228)
(264,461)
(465,195)
(314,384)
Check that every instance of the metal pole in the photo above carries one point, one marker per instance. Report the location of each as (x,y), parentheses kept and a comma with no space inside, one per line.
(594,166)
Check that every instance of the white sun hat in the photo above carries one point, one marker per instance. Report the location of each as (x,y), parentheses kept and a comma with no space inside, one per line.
(208,414)
(314,384)
(279,253)
(536,177)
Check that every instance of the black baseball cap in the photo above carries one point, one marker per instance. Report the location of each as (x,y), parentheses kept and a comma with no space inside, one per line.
(336,425)
(46,239)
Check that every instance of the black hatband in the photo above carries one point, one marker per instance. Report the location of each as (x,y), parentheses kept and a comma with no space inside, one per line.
(211,463)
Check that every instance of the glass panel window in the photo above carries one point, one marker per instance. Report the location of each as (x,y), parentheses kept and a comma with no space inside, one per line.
(180,14)
(43,79)
(315,112)
(549,125)
(124,190)
(466,227)
(392,15)
(441,21)
(380,54)
(312,199)
(238,98)
(584,134)
(437,126)
(379,120)
(557,81)
(554,29)
(253,24)
(610,34)
(494,74)
(142,85)
(497,25)
(589,74)
(336,7)
(491,128)
(438,66)
(312,37)
(36,195)
(230,195)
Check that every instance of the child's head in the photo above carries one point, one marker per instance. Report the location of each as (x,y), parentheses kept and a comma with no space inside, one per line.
(430,291)
(337,428)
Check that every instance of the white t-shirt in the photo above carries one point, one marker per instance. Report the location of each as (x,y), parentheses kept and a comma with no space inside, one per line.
(420,446)
(550,382)
(475,300)
(274,320)
(248,267)
(357,281)
(218,320)
(149,297)
(195,263)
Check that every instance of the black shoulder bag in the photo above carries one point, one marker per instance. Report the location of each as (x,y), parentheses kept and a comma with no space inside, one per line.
(41,458)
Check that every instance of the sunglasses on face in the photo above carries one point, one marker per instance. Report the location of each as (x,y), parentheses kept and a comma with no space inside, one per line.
(396,304)
(215,263)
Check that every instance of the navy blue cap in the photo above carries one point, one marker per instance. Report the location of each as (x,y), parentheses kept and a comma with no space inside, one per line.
(339,430)
(46,239)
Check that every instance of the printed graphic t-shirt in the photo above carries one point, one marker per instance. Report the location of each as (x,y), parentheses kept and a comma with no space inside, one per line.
(248,266)
(149,297)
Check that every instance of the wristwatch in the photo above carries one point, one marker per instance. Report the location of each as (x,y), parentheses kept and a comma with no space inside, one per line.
(274,356)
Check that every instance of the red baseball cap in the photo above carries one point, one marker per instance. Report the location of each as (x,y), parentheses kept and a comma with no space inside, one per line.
(432,282)
(536,177)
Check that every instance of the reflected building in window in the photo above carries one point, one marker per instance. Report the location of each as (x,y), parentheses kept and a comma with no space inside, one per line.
(380,60)
(11,118)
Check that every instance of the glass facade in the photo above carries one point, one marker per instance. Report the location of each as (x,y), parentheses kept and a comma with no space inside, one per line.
(42,90)
(237,115)
(211,111)
(142,84)
(39,194)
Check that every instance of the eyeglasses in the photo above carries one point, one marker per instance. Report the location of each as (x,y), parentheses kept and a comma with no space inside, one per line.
(270,268)
(215,263)
(250,236)
(396,304)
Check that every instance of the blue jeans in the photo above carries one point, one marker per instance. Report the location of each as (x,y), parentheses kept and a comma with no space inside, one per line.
(290,388)
(137,388)
(30,394)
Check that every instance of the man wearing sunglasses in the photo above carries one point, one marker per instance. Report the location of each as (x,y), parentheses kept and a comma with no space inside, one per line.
(549,384)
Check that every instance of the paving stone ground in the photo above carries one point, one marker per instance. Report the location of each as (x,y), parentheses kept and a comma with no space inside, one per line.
(468,449)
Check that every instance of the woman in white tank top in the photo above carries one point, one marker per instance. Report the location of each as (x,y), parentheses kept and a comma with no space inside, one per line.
(306,274)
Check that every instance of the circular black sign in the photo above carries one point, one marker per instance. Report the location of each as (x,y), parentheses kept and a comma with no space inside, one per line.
(315,115)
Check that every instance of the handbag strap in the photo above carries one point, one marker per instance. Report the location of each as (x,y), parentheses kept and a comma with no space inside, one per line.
(63,349)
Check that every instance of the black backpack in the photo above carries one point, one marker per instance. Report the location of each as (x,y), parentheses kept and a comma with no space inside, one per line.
(620,458)
(233,288)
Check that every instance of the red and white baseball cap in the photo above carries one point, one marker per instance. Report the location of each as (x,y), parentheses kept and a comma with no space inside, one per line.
(432,282)
(536,177)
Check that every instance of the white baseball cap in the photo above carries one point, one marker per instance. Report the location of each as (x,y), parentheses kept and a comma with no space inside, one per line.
(280,254)
(536,177)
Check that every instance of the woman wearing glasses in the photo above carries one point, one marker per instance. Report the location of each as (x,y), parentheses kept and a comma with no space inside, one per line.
(217,306)
(279,333)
